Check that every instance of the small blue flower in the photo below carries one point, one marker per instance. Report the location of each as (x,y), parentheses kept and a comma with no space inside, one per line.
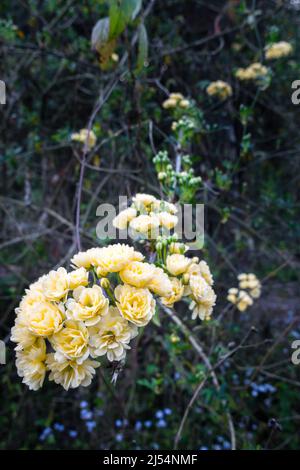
(73,433)
(86,414)
(58,427)
(119,437)
(138,425)
(46,433)
(83,404)
(148,424)
(177,376)
(90,425)
(118,423)
(159,414)
(161,423)
(203,448)
(167,411)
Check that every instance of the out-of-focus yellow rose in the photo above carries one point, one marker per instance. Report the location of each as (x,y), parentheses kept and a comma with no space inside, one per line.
(160,283)
(44,318)
(71,341)
(137,274)
(232,295)
(122,220)
(30,364)
(252,72)
(169,103)
(88,305)
(177,292)
(114,258)
(135,305)
(177,264)
(56,284)
(243,301)
(220,89)
(278,50)
(112,336)
(184,103)
(71,374)
(78,277)
(176,96)
(85,136)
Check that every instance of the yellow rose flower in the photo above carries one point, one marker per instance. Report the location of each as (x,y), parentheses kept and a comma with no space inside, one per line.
(177,293)
(71,341)
(232,295)
(177,264)
(122,220)
(203,297)
(30,364)
(143,200)
(278,50)
(84,258)
(85,136)
(56,284)
(176,96)
(169,103)
(137,274)
(146,224)
(167,220)
(78,277)
(22,336)
(220,89)
(135,305)
(243,301)
(114,258)
(111,336)
(184,103)
(71,374)
(160,283)
(88,305)
(44,318)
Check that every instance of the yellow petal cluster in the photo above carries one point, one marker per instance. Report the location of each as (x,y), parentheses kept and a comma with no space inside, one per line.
(66,320)
(249,289)
(278,50)
(252,72)
(85,136)
(147,217)
(220,89)
(176,100)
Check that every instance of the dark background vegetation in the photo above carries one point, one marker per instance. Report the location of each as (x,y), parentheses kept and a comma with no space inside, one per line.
(250,189)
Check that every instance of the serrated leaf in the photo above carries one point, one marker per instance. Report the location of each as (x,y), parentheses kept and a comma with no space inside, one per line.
(143,48)
(100,34)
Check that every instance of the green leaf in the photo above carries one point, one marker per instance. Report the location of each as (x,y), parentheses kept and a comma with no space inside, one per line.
(122,13)
(100,34)
(143,48)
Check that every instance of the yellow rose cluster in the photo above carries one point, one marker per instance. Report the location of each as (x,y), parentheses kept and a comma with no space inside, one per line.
(254,72)
(249,289)
(278,50)
(147,217)
(220,89)
(85,136)
(190,277)
(176,100)
(66,320)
